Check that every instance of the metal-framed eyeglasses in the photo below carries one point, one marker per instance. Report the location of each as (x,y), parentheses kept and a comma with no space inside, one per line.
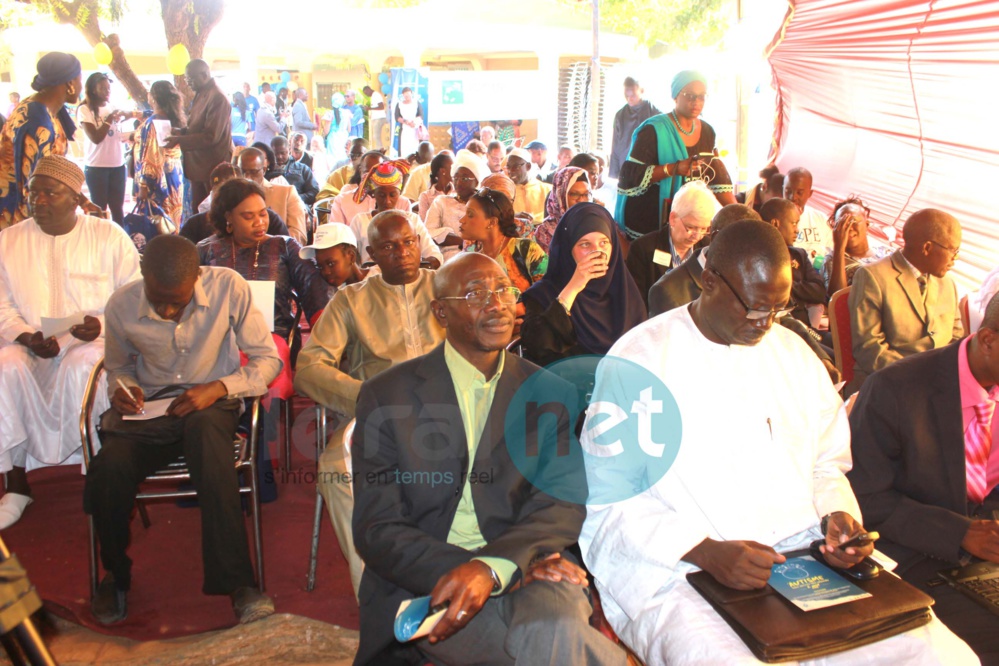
(751,313)
(479,298)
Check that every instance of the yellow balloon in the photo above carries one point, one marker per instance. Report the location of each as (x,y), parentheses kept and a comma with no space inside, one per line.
(177,59)
(102,54)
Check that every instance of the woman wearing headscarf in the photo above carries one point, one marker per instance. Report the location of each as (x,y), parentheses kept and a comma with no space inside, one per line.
(159,171)
(37,127)
(382,184)
(666,151)
(571,186)
(444,216)
(587,299)
(491,229)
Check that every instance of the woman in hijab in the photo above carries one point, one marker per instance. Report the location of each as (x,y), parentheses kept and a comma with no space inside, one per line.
(587,299)
(444,216)
(668,150)
(37,127)
(571,186)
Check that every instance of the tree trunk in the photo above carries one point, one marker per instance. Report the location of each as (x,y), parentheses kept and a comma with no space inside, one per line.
(189,23)
(83,14)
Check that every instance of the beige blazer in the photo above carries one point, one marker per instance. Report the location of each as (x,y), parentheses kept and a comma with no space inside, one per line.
(283,199)
(890,319)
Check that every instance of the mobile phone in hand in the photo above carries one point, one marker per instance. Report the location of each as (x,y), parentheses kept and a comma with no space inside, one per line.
(861,540)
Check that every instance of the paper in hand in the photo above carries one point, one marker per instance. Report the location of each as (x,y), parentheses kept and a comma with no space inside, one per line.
(151,409)
(413,619)
(54,326)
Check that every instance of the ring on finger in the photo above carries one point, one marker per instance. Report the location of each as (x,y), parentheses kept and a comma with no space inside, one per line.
(461,614)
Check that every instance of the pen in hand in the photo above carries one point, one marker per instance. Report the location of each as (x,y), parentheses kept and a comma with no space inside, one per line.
(131,397)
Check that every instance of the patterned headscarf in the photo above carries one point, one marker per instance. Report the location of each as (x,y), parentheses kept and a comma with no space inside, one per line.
(557,203)
(386,174)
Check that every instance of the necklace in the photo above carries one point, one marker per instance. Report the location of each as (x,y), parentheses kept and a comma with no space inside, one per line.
(679,127)
(256,258)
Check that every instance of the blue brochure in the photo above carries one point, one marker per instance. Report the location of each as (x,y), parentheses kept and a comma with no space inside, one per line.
(413,620)
(809,584)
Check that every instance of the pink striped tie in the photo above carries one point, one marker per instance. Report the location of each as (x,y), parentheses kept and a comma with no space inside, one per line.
(977,447)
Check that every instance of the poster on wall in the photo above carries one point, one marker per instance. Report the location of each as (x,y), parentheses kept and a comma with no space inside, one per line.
(483,96)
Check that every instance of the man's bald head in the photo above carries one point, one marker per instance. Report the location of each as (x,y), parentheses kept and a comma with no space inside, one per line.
(449,278)
(991,318)
(733,213)
(747,244)
(932,241)
(385,222)
(198,74)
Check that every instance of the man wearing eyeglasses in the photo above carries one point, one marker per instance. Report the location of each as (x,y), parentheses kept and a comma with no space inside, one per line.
(906,303)
(760,469)
(366,328)
(483,540)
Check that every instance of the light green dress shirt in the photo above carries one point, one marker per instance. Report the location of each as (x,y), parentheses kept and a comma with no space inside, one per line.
(475,398)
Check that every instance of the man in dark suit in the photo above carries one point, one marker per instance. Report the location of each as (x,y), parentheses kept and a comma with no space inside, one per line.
(906,303)
(683,285)
(807,285)
(925,469)
(441,509)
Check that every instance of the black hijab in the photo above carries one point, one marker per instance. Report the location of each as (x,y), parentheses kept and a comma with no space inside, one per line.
(609,306)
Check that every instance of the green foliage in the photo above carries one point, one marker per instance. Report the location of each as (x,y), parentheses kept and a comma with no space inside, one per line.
(677,24)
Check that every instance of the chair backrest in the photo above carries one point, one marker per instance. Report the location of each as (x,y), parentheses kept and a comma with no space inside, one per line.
(839,325)
(965,314)
(516,347)
(86,413)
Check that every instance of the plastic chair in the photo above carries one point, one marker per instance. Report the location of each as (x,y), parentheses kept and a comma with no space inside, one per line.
(839,325)
(515,346)
(962,306)
(174,474)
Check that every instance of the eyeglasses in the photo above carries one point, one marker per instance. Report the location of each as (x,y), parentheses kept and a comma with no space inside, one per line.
(693,229)
(466,179)
(756,315)
(691,97)
(250,172)
(953,251)
(479,298)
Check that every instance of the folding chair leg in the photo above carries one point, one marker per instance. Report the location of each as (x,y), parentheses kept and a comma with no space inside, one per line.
(286,414)
(143,515)
(93,557)
(314,555)
(255,504)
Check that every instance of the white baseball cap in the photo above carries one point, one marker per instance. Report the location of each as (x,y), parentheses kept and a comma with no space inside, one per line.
(327,236)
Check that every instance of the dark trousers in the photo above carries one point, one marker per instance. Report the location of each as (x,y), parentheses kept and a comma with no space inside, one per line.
(107,189)
(131,450)
(199,192)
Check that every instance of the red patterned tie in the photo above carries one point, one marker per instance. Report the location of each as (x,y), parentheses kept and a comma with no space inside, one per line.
(978,446)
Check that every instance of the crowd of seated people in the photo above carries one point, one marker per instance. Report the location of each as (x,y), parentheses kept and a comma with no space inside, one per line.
(415,293)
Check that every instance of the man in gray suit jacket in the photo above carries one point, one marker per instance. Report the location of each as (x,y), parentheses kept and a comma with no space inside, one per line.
(905,303)
(440,508)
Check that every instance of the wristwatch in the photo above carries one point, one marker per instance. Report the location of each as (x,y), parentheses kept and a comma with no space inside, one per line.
(497,583)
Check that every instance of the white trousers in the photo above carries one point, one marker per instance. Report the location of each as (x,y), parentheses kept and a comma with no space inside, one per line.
(40,402)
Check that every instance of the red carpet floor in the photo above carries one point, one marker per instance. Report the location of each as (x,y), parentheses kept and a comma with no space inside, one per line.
(166,600)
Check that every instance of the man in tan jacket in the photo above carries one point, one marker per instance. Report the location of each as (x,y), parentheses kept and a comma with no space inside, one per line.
(905,303)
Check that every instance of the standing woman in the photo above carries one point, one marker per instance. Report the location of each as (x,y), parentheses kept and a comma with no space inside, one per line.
(240,119)
(104,146)
(666,151)
(490,227)
(159,172)
(37,127)
(587,299)
(407,115)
